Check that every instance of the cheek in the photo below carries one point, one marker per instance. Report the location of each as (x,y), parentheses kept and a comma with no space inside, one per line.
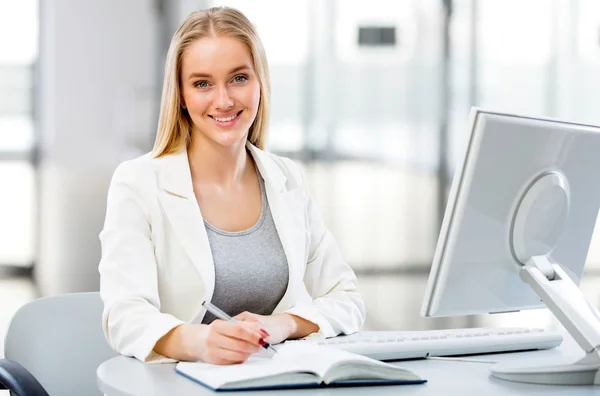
(196,102)
(253,96)
(256,97)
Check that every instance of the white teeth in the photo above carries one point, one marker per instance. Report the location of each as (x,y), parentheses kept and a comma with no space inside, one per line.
(225,119)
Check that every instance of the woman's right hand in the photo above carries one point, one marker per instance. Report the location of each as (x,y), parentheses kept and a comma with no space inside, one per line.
(223,342)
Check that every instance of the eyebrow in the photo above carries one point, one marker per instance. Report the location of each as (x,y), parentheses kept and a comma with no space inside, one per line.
(205,75)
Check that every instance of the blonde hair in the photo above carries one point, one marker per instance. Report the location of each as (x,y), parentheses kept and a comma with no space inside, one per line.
(174,124)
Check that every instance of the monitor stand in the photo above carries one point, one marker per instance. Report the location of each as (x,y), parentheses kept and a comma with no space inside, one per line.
(576,314)
(538,220)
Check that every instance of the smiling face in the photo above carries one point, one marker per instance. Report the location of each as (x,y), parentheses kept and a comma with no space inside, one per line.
(220,90)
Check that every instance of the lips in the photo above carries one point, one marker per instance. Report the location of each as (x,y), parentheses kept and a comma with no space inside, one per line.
(226,117)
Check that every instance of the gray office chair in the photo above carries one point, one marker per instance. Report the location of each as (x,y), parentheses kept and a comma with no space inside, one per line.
(59,341)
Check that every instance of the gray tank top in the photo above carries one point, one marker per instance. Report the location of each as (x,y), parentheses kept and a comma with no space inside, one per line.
(251,270)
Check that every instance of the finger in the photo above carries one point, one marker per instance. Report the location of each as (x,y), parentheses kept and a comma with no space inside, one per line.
(235,344)
(247,336)
(250,317)
(258,326)
(218,341)
(248,331)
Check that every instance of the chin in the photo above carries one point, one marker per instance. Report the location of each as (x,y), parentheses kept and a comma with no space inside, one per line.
(229,139)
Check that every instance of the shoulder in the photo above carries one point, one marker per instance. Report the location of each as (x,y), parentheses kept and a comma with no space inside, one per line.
(135,172)
(279,171)
(290,169)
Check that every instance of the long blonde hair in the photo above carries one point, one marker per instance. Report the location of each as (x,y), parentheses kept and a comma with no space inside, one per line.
(174,124)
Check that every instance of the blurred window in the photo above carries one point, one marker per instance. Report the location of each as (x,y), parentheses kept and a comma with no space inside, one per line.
(284,38)
(18,52)
(18,32)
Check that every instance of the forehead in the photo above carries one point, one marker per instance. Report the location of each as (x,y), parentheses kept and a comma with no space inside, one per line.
(215,56)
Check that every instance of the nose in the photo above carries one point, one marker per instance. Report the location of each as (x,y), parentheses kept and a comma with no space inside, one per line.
(223,101)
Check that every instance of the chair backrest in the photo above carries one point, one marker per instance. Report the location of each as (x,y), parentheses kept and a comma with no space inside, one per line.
(59,339)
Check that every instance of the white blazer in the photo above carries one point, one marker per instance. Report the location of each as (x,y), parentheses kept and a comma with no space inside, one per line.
(157,267)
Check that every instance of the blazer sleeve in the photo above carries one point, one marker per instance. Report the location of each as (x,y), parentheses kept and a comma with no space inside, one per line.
(131,319)
(336,306)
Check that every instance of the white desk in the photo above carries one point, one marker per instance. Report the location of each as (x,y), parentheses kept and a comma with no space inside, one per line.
(123,376)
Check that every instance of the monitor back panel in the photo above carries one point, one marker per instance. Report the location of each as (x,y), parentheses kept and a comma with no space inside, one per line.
(473,270)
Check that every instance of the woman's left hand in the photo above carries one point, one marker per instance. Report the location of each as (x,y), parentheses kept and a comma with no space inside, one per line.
(279,327)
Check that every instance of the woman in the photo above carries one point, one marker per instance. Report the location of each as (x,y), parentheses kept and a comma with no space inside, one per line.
(209,215)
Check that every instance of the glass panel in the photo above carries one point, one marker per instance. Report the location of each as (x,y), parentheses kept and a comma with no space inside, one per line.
(578,90)
(462,76)
(18,31)
(579,82)
(16,133)
(515,64)
(494,74)
(18,51)
(380,214)
(17,211)
(285,39)
(587,28)
(383,105)
(385,99)
(15,90)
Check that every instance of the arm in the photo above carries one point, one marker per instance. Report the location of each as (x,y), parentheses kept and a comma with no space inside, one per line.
(131,320)
(178,343)
(300,327)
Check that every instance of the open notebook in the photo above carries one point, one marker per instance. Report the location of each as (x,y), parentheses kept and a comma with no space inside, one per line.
(298,366)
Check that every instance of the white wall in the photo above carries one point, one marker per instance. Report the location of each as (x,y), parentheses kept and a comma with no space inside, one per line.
(98,72)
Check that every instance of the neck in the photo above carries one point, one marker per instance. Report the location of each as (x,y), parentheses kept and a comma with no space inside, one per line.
(211,163)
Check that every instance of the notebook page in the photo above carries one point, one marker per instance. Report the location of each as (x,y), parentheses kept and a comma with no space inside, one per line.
(216,376)
(333,364)
(314,357)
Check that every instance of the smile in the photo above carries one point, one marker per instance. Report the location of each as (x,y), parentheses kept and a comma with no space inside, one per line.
(226,119)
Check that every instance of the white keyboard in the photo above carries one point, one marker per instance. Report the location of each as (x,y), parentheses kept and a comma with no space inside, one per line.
(396,345)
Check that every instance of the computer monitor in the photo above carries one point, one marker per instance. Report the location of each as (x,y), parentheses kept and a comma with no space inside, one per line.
(516,232)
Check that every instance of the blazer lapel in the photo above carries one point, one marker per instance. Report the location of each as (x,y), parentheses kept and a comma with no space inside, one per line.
(287,208)
(285,201)
(182,210)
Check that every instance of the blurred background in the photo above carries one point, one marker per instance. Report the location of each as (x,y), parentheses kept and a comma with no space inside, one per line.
(372,98)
